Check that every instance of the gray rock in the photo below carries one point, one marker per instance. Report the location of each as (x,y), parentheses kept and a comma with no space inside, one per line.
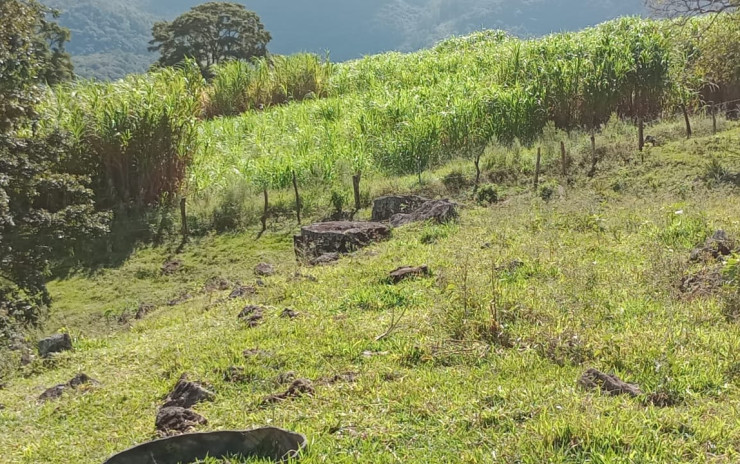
(440,211)
(55,344)
(337,237)
(76,382)
(173,420)
(386,207)
(264,270)
(608,383)
(326,258)
(408,272)
(266,443)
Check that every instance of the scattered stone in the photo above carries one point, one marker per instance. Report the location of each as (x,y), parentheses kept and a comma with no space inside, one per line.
(180,299)
(652,140)
(251,315)
(172,420)
(235,375)
(386,207)
(486,246)
(286,377)
(55,344)
(326,258)
(76,382)
(264,270)
(273,444)
(608,383)
(440,211)
(512,266)
(171,266)
(717,246)
(298,388)
(310,278)
(337,237)
(406,272)
(144,309)
(260,283)
(289,314)
(27,357)
(242,291)
(216,283)
(187,394)
(702,283)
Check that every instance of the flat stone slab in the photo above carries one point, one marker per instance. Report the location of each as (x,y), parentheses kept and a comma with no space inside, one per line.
(266,443)
(440,211)
(337,237)
(55,344)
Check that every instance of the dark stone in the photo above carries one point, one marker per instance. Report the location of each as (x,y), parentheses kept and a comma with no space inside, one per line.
(716,247)
(289,314)
(187,394)
(173,420)
(171,266)
(297,389)
(242,291)
(440,211)
(346,377)
(143,310)
(180,299)
(386,207)
(235,374)
(216,283)
(326,258)
(55,344)
(406,272)
(265,443)
(57,390)
(264,270)
(652,140)
(251,315)
(337,237)
(608,383)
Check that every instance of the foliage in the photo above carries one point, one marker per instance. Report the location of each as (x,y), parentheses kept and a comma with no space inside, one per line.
(210,33)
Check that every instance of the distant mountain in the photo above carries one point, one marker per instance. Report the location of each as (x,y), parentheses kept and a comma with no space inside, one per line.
(109,37)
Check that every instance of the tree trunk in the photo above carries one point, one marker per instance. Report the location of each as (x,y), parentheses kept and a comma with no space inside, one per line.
(640,133)
(594,158)
(688,121)
(264,216)
(537,169)
(297,199)
(184,221)
(564,159)
(356,188)
(713,109)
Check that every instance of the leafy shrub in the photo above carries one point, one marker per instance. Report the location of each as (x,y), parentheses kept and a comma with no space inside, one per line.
(455,181)
(488,194)
(546,191)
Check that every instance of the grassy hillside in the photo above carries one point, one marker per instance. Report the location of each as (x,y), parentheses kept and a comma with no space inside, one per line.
(105,34)
(484,361)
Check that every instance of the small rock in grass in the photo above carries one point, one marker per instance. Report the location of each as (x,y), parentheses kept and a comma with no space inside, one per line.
(144,309)
(235,375)
(297,389)
(407,272)
(326,258)
(242,291)
(76,382)
(55,344)
(173,420)
(171,266)
(216,283)
(289,314)
(182,298)
(286,377)
(608,383)
(251,315)
(186,394)
(264,270)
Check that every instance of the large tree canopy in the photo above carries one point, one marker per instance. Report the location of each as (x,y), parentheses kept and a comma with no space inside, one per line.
(42,207)
(210,33)
(692,7)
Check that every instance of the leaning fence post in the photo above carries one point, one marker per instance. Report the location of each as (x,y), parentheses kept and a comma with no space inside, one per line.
(537,168)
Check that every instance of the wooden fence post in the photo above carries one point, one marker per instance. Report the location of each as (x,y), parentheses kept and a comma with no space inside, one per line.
(537,169)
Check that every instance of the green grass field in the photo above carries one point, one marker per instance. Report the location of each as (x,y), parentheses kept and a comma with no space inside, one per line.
(483,361)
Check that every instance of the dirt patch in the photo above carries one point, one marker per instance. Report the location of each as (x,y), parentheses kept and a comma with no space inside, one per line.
(702,283)
(77,382)
(180,299)
(175,420)
(716,247)
(345,377)
(216,284)
(264,270)
(289,313)
(299,388)
(593,379)
(171,266)
(143,310)
(242,291)
(234,374)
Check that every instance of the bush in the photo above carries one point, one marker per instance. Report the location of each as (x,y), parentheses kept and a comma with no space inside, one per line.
(546,191)
(487,195)
(455,181)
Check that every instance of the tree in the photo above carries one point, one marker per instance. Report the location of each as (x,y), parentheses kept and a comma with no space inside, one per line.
(43,209)
(50,39)
(210,33)
(673,8)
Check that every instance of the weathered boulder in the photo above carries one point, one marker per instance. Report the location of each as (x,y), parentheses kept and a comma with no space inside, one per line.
(408,272)
(264,269)
(187,394)
(337,237)
(268,443)
(608,383)
(440,211)
(386,207)
(55,344)
(76,382)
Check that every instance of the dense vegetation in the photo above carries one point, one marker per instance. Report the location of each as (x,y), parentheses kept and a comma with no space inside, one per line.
(109,38)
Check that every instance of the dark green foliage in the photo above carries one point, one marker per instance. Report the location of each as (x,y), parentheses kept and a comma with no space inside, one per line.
(210,34)
(487,195)
(50,48)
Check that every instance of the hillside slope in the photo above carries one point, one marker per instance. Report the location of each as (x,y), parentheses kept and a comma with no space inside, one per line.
(483,364)
(107,35)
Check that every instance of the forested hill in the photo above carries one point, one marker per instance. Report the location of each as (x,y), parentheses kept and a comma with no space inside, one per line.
(110,36)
